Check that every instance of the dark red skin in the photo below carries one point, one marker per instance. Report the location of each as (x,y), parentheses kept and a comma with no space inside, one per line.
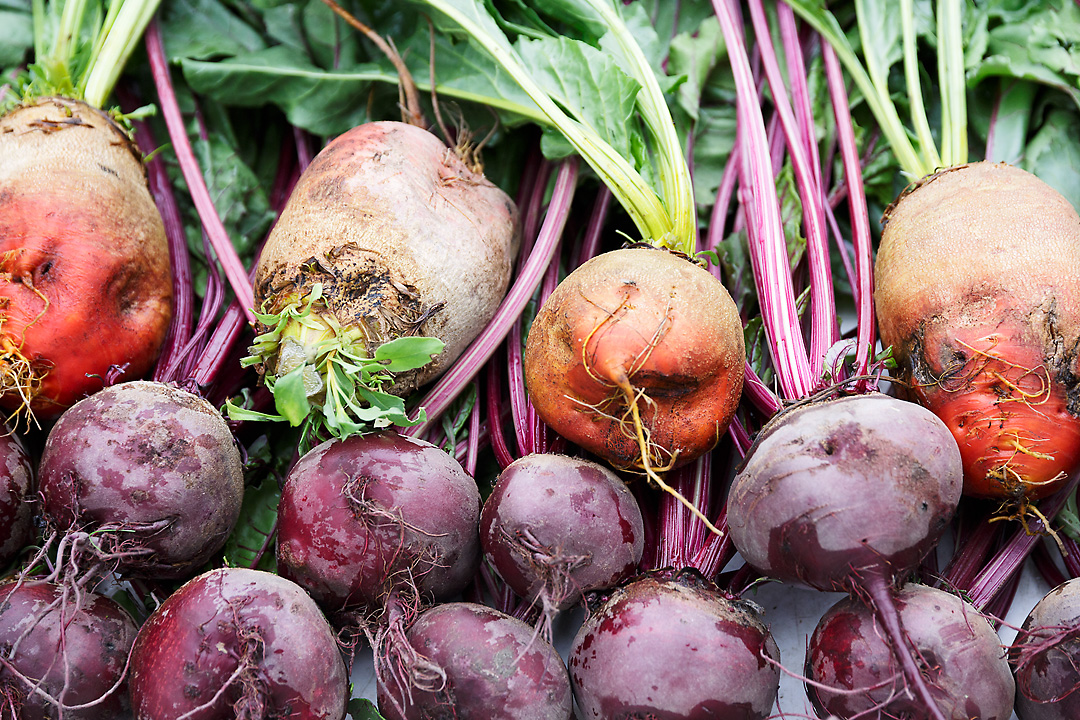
(959,652)
(418,511)
(144,452)
(496,669)
(16,515)
(96,638)
(673,650)
(187,650)
(574,507)
(1046,657)
(837,490)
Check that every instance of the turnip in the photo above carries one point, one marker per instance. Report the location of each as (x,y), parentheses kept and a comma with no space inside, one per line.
(62,654)
(854,672)
(391,255)
(16,514)
(556,527)
(144,477)
(1046,657)
(671,649)
(237,643)
(490,667)
(84,265)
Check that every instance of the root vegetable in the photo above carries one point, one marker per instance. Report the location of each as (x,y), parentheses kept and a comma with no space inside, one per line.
(16,515)
(1046,657)
(235,643)
(971,293)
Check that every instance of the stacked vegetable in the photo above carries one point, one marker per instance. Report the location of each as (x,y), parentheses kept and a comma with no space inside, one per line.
(366,390)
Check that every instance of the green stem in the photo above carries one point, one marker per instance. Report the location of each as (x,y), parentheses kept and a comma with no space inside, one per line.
(634,194)
(954,149)
(122,35)
(881,106)
(927,146)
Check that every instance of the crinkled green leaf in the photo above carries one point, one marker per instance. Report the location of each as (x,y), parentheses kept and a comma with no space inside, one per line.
(204,29)
(694,55)
(1054,154)
(290,397)
(408,353)
(253,531)
(238,196)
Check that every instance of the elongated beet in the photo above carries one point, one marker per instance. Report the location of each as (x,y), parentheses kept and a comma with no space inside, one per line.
(674,650)
(155,465)
(485,666)
(955,646)
(1046,657)
(556,527)
(364,516)
(16,515)
(237,643)
(69,650)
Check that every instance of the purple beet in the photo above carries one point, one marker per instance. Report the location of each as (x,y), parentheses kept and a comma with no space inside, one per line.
(16,517)
(70,650)
(956,649)
(366,517)
(849,494)
(1046,657)
(674,650)
(151,470)
(556,527)
(483,665)
(237,644)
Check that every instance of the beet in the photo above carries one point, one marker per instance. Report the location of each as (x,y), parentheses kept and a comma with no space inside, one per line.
(16,516)
(1046,657)
(363,517)
(486,666)
(154,463)
(674,649)
(45,634)
(956,648)
(555,527)
(238,643)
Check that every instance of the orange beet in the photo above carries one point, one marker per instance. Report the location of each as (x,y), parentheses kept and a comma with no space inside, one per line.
(975,283)
(85,279)
(637,323)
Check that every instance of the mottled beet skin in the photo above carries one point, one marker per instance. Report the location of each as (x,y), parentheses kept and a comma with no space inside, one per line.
(844,488)
(958,650)
(93,639)
(188,649)
(16,516)
(569,508)
(144,452)
(1046,657)
(673,650)
(358,516)
(496,669)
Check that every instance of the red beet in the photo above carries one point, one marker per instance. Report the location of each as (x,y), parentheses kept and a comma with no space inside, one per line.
(236,643)
(674,650)
(555,527)
(955,646)
(362,517)
(16,518)
(486,666)
(72,649)
(1046,657)
(154,463)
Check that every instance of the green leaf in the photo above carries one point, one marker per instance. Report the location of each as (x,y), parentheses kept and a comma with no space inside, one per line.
(695,55)
(237,413)
(204,29)
(16,33)
(290,397)
(408,353)
(252,534)
(361,709)
(1054,155)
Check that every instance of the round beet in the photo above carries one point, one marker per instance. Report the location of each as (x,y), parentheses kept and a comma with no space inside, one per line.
(361,517)
(237,643)
(674,650)
(556,526)
(69,649)
(484,666)
(957,650)
(156,464)
(1046,657)
(16,518)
